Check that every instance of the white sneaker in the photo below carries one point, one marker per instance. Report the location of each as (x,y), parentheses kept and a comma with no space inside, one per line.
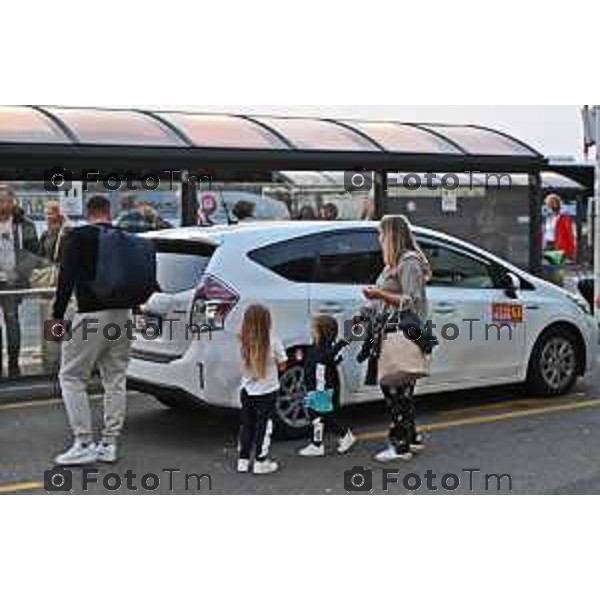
(391,454)
(107,452)
(346,443)
(265,467)
(313,451)
(419,444)
(243,466)
(78,455)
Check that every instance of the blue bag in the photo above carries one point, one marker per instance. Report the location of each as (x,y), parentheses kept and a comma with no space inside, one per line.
(321,402)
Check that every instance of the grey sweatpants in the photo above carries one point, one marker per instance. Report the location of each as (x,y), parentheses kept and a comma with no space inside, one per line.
(81,356)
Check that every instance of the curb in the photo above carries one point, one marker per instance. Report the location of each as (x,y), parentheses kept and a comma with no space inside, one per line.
(16,392)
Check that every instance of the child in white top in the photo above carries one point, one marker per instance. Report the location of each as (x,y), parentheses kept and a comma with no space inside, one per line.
(262,358)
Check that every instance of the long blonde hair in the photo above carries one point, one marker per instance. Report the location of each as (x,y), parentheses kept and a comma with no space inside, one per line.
(398,239)
(255,338)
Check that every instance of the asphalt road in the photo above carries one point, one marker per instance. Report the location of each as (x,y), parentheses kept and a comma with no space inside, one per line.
(485,442)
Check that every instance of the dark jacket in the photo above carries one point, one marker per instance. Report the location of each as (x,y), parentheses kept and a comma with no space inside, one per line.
(78,271)
(26,247)
(327,354)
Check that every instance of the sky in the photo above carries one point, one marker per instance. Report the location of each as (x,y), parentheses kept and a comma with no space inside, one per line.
(553,130)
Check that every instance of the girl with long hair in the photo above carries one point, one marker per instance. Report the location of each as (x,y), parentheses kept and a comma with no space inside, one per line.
(262,358)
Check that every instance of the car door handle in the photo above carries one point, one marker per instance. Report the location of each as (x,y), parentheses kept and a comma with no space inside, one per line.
(330,308)
(444,309)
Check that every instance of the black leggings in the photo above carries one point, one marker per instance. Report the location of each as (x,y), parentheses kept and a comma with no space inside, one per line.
(401,404)
(330,420)
(257,426)
(330,423)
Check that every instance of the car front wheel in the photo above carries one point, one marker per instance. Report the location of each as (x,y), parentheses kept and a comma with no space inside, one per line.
(554,364)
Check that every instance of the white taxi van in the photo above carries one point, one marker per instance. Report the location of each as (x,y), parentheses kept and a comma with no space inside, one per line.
(496,323)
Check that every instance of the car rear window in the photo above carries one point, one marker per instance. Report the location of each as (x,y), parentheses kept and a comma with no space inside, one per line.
(181,265)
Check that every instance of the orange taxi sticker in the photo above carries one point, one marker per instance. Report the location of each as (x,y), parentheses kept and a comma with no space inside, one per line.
(507,313)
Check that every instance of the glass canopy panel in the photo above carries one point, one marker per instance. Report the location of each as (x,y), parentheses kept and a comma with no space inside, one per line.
(116,127)
(482,141)
(557,181)
(308,178)
(405,139)
(24,125)
(316,135)
(338,178)
(224,131)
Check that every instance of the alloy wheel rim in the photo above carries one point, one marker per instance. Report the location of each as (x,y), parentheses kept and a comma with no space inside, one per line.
(558,363)
(291,407)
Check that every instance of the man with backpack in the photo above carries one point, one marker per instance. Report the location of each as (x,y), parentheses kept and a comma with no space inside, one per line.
(111,272)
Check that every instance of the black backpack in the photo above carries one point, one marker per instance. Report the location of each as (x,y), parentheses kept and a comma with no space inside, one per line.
(126,268)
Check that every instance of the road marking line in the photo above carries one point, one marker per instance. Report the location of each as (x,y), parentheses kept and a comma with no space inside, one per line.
(52,402)
(535,412)
(32,404)
(27,486)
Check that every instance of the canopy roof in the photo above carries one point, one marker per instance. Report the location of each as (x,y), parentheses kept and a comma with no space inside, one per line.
(120,137)
(328,180)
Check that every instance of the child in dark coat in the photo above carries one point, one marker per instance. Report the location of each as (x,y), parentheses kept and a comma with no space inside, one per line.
(323,385)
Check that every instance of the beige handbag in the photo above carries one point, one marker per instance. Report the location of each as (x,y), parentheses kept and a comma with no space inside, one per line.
(46,278)
(401,361)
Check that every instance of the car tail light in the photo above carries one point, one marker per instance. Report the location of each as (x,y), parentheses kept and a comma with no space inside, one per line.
(213,301)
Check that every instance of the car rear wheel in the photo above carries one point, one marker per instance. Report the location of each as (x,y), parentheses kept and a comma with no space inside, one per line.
(291,415)
(554,364)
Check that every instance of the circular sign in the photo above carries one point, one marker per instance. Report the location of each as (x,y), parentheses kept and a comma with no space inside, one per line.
(208,204)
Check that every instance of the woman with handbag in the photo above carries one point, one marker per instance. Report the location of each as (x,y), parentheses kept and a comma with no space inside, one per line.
(400,291)
(45,277)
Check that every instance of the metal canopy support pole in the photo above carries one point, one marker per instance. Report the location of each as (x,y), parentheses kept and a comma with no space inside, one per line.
(596,211)
(580,220)
(536,223)
(380,194)
(189,200)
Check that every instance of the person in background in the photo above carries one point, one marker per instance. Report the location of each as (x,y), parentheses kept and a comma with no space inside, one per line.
(559,229)
(321,376)
(368,211)
(329,212)
(244,211)
(263,356)
(57,226)
(19,255)
(307,213)
(52,242)
(130,219)
(151,217)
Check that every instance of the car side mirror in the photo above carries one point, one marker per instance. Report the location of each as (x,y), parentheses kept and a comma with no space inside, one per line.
(513,285)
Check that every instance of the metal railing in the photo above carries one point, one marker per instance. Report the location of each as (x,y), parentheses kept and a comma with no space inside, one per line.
(37,357)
